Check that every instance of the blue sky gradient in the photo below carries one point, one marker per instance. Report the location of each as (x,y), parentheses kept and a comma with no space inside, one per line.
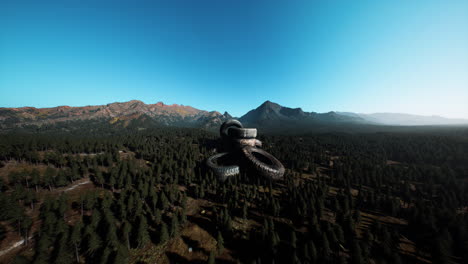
(359,56)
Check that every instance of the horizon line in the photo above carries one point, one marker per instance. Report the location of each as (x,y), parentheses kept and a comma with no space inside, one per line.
(187,105)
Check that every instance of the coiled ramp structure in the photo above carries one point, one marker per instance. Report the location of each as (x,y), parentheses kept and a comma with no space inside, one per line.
(244,150)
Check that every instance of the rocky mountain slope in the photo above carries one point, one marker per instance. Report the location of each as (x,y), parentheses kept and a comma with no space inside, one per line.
(273,114)
(268,117)
(114,114)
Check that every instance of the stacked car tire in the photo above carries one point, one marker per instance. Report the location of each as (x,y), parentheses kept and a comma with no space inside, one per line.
(245,151)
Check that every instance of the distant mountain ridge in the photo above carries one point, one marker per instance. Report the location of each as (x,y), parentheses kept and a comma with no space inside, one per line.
(270,113)
(268,116)
(399,119)
(115,114)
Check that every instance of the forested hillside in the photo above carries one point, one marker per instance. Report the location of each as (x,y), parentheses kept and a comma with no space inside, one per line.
(145,196)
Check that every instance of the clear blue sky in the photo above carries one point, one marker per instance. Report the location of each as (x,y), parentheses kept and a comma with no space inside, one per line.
(360,56)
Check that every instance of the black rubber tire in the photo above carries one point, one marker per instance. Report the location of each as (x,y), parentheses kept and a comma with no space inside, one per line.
(223,130)
(274,170)
(247,142)
(236,132)
(222,172)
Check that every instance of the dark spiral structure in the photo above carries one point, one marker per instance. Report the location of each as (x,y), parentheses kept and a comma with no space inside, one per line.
(243,151)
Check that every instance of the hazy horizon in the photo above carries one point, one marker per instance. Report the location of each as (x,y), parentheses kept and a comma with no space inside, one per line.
(375,57)
(222,111)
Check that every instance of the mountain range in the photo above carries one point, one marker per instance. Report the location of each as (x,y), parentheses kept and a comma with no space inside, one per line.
(398,119)
(268,115)
(118,114)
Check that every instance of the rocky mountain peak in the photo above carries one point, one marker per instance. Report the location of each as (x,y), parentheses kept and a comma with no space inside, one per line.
(227,115)
(269,105)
